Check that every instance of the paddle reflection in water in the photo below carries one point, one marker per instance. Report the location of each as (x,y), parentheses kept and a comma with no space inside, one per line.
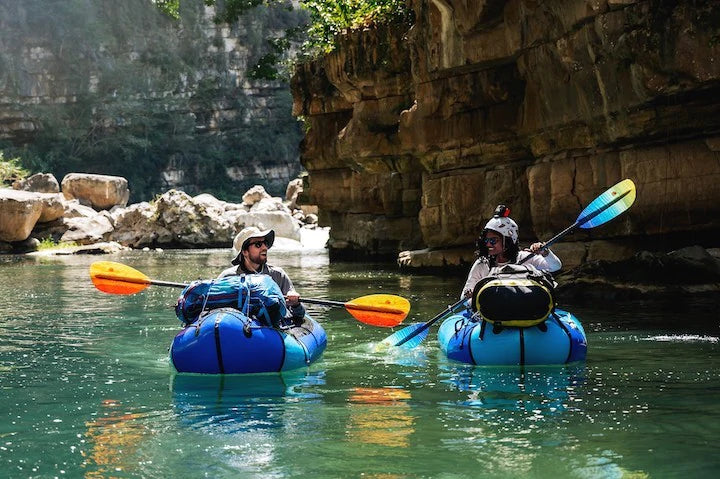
(114,438)
(380,416)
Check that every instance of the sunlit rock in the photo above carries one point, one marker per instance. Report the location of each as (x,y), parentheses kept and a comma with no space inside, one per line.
(39,183)
(82,230)
(19,211)
(254,195)
(101,191)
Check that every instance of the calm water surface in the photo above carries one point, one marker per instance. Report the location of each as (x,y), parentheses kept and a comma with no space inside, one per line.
(87,389)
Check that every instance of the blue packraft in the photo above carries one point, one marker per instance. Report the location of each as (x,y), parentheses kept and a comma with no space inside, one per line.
(256,295)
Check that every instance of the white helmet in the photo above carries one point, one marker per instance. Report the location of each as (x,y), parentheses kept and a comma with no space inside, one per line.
(501,223)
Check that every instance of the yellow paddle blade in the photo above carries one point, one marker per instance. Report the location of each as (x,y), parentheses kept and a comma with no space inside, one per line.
(117,278)
(385,310)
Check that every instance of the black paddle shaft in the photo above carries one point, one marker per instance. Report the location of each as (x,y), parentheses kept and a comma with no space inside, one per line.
(450,309)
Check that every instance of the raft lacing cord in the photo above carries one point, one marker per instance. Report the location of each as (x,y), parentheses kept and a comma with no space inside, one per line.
(460,325)
(556,317)
(200,319)
(244,307)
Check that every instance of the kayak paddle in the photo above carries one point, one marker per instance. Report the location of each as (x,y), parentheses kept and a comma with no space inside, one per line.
(385,310)
(605,207)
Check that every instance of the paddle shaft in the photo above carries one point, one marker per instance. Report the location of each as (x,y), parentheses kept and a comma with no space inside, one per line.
(349,305)
(125,279)
(450,309)
(579,222)
(324,302)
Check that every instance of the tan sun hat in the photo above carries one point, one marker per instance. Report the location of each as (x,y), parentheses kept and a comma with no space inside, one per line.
(242,238)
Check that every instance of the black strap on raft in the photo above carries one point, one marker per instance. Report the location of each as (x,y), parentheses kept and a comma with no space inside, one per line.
(564,328)
(522,346)
(284,352)
(221,366)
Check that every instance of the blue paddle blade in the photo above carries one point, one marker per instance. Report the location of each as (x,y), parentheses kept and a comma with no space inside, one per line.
(608,205)
(398,336)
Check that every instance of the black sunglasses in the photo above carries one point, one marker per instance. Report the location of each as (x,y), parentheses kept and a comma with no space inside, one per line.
(258,244)
(490,241)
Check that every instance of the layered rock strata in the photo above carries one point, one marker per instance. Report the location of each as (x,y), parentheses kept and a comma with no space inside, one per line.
(416,134)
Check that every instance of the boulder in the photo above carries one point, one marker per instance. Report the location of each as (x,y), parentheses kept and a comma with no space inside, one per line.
(293,190)
(19,211)
(284,225)
(269,204)
(39,183)
(87,230)
(73,209)
(174,219)
(102,192)
(254,194)
(53,207)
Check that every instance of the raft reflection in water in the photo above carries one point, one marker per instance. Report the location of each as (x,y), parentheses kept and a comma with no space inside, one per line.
(233,403)
(550,389)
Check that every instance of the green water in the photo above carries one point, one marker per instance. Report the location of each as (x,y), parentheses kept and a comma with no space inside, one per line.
(87,389)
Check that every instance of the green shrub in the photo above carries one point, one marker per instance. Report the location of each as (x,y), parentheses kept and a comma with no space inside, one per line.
(11,171)
(49,243)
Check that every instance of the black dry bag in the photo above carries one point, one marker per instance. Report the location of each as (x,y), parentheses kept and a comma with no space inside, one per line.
(514,295)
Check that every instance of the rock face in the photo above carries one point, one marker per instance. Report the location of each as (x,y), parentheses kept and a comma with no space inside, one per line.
(416,134)
(102,192)
(120,88)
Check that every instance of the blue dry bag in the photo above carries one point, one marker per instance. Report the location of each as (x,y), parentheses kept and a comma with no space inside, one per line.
(256,295)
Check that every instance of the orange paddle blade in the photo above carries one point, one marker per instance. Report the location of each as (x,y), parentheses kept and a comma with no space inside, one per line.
(117,278)
(385,310)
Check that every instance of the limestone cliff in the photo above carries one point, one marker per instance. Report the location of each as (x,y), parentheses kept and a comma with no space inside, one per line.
(414,135)
(119,88)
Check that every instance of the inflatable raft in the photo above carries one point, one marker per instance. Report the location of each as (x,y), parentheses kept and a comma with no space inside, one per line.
(559,339)
(226,341)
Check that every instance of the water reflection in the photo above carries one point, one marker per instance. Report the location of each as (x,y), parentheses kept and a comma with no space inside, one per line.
(114,438)
(546,389)
(380,416)
(229,404)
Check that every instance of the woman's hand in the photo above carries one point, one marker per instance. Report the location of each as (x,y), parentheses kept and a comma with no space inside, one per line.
(537,248)
(292,298)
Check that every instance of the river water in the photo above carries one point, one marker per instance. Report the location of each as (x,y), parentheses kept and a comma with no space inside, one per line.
(87,389)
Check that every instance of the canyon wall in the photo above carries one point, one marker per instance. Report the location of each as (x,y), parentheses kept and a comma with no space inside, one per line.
(414,133)
(120,88)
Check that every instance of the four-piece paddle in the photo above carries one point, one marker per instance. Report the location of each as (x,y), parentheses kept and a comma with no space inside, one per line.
(605,207)
(385,310)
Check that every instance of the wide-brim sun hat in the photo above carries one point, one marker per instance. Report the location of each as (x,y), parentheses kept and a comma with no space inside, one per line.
(239,243)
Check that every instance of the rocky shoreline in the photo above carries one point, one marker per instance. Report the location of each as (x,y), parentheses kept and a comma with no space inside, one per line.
(90,214)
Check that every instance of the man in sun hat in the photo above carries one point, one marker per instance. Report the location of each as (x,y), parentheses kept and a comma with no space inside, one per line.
(252,245)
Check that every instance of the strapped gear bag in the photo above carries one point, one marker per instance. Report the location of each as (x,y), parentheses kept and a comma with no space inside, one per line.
(514,295)
(256,295)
